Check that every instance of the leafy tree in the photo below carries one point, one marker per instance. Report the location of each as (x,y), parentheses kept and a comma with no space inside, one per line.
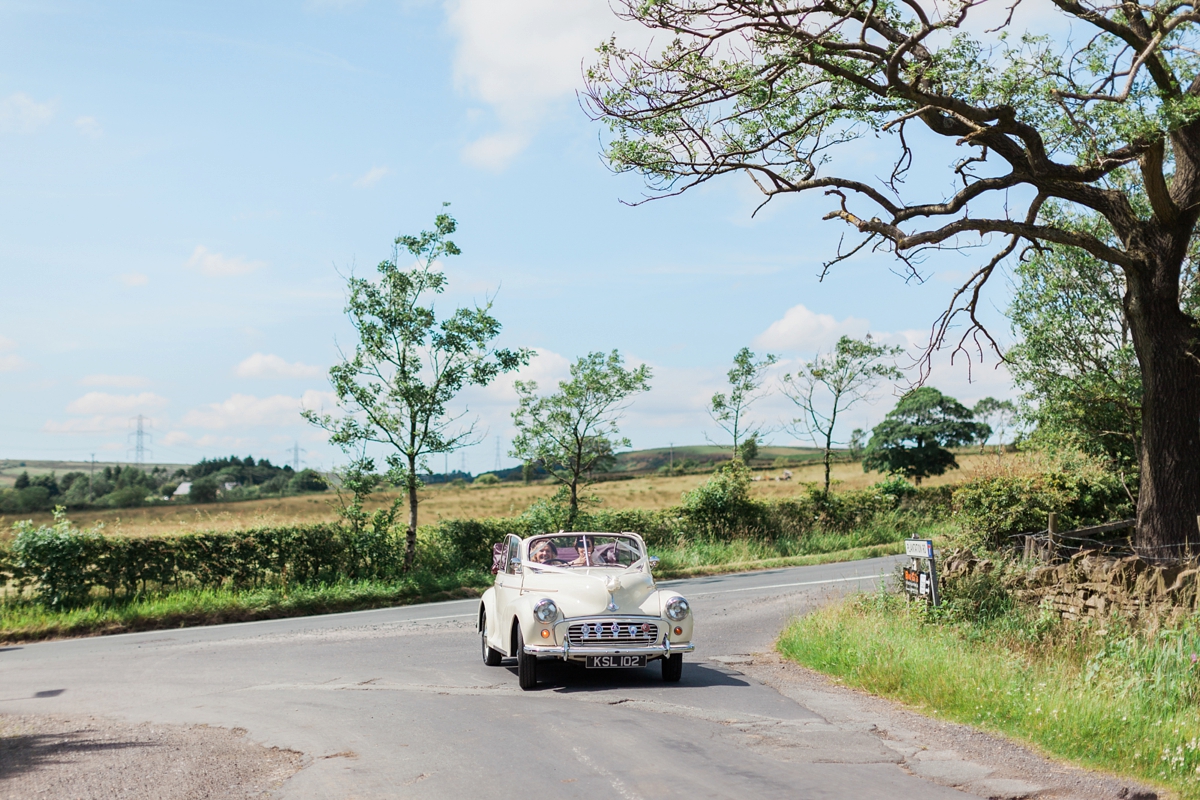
(22,481)
(309,480)
(833,383)
(570,432)
(855,444)
(913,437)
(729,409)
(408,365)
(203,490)
(750,448)
(998,416)
(1094,123)
(1075,360)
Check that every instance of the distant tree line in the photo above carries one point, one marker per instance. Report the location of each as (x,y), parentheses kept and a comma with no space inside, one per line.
(229,478)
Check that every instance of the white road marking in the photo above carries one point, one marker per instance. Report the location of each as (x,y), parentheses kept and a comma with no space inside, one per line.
(788,585)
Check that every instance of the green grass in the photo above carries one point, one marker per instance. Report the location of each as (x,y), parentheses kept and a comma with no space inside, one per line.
(1122,701)
(23,621)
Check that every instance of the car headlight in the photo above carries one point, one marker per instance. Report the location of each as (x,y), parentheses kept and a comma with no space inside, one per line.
(545,610)
(677,608)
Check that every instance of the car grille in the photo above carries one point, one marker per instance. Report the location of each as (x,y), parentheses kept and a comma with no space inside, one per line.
(609,632)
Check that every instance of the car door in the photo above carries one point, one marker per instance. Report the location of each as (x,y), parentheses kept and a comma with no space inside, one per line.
(508,589)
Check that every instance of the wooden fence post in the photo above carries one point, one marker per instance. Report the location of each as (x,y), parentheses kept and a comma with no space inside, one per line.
(1052,529)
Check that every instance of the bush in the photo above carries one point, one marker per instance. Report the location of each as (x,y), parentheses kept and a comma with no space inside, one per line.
(307,480)
(65,564)
(487,479)
(204,490)
(989,510)
(721,507)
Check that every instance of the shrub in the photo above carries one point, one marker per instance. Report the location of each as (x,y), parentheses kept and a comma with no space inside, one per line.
(60,559)
(487,479)
(307,480)
(721,507)
(990,509)
(204,490)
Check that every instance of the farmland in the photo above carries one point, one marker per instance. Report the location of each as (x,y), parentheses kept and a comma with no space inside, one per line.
(444,501)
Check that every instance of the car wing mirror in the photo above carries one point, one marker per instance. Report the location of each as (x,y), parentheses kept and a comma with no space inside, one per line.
(515,563)
(653,561)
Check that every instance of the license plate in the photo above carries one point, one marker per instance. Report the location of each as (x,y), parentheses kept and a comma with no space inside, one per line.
(609,662)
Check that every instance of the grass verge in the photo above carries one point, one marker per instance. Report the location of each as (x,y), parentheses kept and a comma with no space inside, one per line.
(28,622)
(851,554)
(1119,700)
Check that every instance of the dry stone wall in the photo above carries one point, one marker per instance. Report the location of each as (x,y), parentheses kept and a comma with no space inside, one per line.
(1090,585)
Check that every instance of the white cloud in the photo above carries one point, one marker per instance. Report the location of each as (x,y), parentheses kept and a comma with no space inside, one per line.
(244,410)
(89,127)
(520,57)
(804,331)
(264,365)
(371,177)
(133,279)
(10,362)
(19,112)
(104,403)
(117,381)
(219,265)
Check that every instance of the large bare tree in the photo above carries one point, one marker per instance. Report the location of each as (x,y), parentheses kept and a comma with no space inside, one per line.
(1106,121)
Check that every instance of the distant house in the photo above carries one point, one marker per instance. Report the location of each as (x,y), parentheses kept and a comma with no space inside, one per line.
(230,485)
(183,491)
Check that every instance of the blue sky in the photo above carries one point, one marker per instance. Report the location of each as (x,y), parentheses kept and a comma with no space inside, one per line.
(183,183)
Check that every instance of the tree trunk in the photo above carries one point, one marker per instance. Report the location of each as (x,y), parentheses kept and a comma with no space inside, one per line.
(1166,343)
(410,544)
(828,457)
(573,510)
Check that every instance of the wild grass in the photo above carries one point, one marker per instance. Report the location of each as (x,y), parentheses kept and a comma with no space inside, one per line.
(23,620)
(1117,699)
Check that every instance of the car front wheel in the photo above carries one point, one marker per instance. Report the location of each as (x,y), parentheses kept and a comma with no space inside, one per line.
(672,667)
(526,664)
(491,656)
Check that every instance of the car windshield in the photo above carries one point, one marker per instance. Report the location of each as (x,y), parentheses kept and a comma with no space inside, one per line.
(584,550)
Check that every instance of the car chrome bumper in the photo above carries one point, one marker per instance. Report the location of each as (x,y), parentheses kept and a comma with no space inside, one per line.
(566,652)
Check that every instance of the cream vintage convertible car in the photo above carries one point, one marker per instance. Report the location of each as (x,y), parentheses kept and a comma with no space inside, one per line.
(583,597)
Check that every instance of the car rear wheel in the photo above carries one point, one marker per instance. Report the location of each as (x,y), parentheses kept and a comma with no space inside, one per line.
(526,664)
(672,667)
(491,656)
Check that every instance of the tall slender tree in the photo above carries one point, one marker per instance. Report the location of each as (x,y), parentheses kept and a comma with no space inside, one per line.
(408,365)
(574,431)
(730,409)
(832,384)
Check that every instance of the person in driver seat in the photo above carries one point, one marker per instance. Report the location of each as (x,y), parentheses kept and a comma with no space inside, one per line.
(543,552)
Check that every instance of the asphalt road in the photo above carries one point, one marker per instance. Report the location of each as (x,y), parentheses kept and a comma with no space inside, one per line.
(397,703)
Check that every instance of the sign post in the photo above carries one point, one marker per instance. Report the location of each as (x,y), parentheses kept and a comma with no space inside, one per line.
(920,582)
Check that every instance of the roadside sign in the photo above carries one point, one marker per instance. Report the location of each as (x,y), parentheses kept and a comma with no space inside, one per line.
(919,548)
(920,576)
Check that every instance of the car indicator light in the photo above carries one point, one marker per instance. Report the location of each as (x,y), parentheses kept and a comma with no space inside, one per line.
(545,633)
(678,631)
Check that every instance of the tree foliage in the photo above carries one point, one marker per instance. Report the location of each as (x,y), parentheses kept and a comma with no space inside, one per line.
(746,385)
(408,365)
(913,437)
(999,417)
(832,384)
(1095,123)
(574,431)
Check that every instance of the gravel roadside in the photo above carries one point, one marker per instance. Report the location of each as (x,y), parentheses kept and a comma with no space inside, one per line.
(90,758)
(946,753)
